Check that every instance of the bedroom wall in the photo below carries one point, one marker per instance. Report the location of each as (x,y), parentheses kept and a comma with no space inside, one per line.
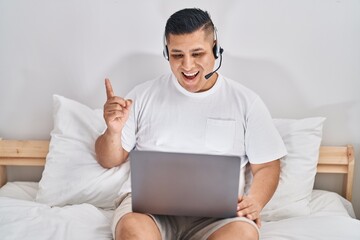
(302,57)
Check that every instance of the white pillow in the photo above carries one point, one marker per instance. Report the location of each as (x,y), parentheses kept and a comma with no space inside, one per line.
(72,174)
(302,139)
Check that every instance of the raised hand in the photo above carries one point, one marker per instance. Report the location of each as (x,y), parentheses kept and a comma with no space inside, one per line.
(116,110)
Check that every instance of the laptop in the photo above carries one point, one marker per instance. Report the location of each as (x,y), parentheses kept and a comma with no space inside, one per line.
(183,184)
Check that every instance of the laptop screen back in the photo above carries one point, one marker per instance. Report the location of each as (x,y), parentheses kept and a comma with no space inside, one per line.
(184,184)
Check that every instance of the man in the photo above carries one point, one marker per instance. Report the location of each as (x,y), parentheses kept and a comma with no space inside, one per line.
(180,112)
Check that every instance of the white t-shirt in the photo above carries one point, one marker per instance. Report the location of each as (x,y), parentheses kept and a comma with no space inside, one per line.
(228,119)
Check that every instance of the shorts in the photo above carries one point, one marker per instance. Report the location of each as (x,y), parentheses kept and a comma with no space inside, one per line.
(178,227)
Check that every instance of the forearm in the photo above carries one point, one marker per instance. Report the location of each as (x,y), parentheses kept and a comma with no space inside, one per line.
(265,182)
(109,150)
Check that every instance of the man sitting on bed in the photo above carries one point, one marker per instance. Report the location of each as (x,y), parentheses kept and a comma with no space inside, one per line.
(178,112)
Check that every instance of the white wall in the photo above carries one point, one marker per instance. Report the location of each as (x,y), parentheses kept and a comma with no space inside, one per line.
(302,57)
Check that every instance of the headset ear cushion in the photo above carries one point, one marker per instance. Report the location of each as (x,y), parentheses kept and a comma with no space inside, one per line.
(166,53)
(215,51)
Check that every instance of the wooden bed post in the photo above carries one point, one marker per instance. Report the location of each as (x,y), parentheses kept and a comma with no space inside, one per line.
(348,178)
(3,177)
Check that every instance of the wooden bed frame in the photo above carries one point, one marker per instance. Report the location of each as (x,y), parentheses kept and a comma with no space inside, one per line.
(334,159)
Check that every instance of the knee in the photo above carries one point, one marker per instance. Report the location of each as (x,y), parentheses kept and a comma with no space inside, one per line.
(246,231)
(126,227)
(135,226)
(236,230)
(250,233)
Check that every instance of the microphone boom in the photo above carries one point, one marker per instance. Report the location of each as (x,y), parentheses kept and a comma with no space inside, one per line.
(207,76)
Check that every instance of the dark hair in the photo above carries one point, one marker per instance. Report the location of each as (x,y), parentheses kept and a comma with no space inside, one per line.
(188,20)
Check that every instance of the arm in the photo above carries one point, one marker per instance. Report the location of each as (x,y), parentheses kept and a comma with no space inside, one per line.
(108,146)
(109,150)
(265,181)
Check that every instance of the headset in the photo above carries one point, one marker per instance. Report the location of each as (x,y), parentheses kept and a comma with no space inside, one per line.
(217,50)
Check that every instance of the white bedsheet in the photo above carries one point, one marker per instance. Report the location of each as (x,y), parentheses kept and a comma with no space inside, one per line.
(22,218)
(331,219)
(20,190)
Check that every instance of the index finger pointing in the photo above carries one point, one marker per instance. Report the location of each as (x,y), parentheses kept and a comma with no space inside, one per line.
(109,89)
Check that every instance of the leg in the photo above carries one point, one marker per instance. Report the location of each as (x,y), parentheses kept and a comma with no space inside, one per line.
(136,226)
(236,230)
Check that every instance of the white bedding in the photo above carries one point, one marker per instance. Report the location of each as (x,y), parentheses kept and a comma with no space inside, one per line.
(332,217)
(21,218)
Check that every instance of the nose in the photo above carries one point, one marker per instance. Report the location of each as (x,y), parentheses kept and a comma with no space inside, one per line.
(187,63)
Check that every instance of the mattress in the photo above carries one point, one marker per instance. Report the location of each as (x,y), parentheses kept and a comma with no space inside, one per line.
(332,217)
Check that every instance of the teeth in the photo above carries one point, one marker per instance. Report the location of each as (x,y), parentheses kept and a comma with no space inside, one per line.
(190,74)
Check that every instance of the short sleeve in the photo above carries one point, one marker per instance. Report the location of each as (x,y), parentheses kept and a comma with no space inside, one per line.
(263,142)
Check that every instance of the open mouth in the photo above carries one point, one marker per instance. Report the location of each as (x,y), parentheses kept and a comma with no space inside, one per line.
(190,76)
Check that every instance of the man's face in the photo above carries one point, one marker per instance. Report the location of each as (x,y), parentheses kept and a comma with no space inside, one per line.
(191,58)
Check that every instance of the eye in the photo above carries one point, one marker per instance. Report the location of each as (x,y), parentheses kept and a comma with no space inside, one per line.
(177,56)
(197,54)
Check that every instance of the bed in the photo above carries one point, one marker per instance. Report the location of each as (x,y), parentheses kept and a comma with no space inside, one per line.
(64,205)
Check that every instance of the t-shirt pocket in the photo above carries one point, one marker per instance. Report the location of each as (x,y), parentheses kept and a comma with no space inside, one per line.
(220,134)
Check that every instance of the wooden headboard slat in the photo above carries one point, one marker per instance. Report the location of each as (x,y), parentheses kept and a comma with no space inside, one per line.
(332,159)
(22,161)
(329,168)
(23,149)
(333,155)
